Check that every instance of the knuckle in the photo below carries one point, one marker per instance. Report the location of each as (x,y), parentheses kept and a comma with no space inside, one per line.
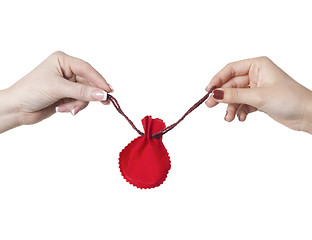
(230,69)
(234,94)
(80,91)
(264,59)
(217,80)
(58,58)
(58,54)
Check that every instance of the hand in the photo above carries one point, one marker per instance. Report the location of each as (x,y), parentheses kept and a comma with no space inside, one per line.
(61,83)
(258,84)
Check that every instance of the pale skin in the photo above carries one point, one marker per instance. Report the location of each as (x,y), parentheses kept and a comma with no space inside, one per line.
(62,83)
(259,85)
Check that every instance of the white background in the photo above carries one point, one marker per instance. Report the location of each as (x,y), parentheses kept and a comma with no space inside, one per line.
(59,179)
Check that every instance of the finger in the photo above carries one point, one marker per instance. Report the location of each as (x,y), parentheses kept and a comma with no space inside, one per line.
(236,82)
(231,70)
(211,102)
(84,69)
(107,102)
(78,91)
(249,96)
(38,116)
(243,111)
(73,107)
(71,65)
(231,112)
(47,112)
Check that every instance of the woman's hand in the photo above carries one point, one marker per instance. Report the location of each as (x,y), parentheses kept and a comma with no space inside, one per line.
(60,83)
(258,84)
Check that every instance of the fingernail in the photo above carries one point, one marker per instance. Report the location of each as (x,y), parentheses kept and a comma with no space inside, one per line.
(75,110)
(111,87)
(240,118)
(225,115)
(218,94)
(99,95)
(60,109)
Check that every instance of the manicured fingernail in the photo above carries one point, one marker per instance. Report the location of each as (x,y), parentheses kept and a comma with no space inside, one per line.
(61,109)
(218,94)
(75,110)
(99,95)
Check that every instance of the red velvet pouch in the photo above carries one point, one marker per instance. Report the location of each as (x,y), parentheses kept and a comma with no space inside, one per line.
(145,162)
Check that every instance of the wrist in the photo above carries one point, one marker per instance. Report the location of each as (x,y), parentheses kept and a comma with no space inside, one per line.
(9,111)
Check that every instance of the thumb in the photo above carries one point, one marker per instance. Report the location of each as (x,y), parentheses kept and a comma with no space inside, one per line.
(81,92)
(249,96)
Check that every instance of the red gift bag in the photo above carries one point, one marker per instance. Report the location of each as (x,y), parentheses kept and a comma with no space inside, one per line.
(145,162)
